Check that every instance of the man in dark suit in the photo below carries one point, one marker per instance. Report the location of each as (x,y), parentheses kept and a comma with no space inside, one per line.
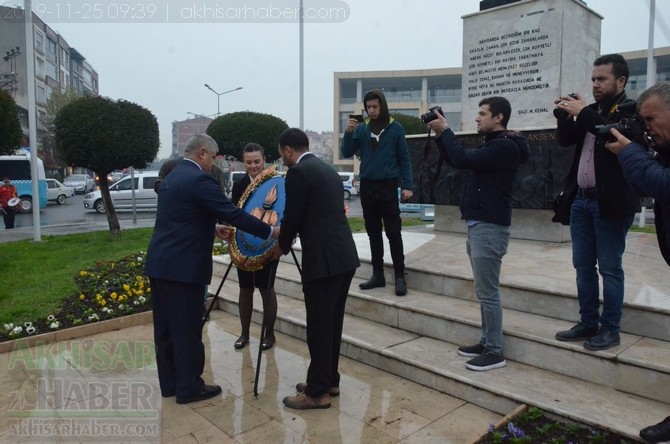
(329,259)
(179,266)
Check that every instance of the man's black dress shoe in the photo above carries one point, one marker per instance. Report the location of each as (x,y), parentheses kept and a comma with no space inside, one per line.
(604,340)
(658,432)
(208,391)
(241,342)
(579,332)
(375,281)
(400,286)
(267,343)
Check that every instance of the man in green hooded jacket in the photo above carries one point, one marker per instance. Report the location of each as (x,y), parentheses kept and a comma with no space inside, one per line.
(385,167)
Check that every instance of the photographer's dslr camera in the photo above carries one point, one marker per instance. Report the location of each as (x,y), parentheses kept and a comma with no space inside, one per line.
(631,126)
(432,114)
(559,113)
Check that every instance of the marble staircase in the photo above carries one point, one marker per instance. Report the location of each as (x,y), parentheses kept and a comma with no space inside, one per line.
(622,389)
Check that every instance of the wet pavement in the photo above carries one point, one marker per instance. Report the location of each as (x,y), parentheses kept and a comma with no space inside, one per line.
(104,387)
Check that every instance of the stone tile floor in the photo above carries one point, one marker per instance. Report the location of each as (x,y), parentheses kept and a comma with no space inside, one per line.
(104,388)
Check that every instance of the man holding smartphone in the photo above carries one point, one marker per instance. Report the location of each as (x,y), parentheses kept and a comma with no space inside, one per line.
(385,166)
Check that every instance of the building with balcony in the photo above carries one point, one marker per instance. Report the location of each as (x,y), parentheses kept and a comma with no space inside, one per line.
(57,64)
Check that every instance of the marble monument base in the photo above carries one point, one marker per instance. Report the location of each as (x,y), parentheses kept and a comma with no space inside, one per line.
(530,224)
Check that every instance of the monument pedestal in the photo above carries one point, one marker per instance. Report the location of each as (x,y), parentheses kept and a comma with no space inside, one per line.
(530,224)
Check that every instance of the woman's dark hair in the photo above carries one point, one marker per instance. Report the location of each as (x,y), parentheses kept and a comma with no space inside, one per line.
(253,147)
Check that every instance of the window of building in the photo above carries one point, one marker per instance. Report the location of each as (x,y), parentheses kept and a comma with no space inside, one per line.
(51,70)
(39,67)
(39,41)
(347,91)
(40,94)
(51,50)
(396,89)
(454,120)
(444,89)
(65,57)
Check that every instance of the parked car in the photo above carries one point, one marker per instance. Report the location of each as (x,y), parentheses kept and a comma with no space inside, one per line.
(350,184)
(231,178)
(122,193)
(57,192)
(115,176)
(82,183)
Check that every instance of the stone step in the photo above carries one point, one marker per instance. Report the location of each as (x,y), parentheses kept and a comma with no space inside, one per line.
(645,314)
(640,365)
(434,363)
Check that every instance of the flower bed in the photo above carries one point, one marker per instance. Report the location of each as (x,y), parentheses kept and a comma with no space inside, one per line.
(105,291)
(532,426)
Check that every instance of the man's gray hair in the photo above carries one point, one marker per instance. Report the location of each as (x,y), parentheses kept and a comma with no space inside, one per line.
(660,90)
(200,141)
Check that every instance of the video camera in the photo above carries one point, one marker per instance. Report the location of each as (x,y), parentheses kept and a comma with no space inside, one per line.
(631,125)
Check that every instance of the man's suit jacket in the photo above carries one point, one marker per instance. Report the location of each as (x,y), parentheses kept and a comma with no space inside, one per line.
(190,201)
(314,210)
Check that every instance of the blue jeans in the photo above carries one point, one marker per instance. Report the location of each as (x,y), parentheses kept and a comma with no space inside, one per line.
(598,242)
(486,245)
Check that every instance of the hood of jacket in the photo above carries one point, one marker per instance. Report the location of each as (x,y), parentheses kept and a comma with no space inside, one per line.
(377,125)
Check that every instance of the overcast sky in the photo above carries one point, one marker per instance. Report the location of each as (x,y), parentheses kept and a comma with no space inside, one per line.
(164,66)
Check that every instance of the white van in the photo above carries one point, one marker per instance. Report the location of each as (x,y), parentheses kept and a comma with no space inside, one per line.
(17,168)
(122,194)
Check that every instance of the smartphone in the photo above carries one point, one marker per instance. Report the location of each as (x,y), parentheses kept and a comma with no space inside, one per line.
(358,117)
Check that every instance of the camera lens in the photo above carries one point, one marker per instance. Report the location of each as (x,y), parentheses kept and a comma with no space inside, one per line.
(560,114)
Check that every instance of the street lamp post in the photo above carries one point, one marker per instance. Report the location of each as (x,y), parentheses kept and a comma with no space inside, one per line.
(218,96)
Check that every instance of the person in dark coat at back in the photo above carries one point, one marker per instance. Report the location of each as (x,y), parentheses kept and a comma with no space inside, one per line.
(650,173)
(179,266)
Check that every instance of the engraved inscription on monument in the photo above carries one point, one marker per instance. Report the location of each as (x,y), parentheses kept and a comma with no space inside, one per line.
(517,52)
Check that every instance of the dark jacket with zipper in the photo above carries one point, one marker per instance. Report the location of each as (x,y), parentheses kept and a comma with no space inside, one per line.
(487,196)
(616,197)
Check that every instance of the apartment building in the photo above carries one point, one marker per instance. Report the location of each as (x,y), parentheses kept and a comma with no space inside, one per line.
(58,65)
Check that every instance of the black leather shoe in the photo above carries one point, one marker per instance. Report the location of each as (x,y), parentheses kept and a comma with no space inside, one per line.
(267,343)
(604,340)
(579,332)
(657,433)
(241,342)
(400,286)
(208,391)
(376,280)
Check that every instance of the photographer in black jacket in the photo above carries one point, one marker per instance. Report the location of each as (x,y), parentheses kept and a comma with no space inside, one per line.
(603,209)
(486,207)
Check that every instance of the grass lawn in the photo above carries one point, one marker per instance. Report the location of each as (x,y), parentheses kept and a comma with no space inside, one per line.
(39,276)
